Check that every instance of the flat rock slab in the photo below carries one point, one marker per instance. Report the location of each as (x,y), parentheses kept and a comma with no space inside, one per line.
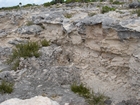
(37,100)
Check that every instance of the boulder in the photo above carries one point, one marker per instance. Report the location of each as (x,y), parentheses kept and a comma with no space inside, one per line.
(37,100)
(134,5)
(49,17)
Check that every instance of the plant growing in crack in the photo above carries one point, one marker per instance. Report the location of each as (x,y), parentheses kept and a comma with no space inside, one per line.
(91,97)
(6,87)
(26,50)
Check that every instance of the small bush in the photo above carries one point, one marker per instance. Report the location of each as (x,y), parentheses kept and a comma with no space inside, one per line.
(137,11)
(107,9)
(81,90)
(44,43)
(92,98)
(27,5)
(98,99)
(6,87)
(49,4)
(117,2)
(16,64)
(101,0)
(93,0)
(111,1)
(26,50)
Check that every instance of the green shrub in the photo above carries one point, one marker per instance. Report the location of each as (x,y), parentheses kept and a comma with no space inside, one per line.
(107,9)
(10,8)
(15,64)
(27,5)
(44,43)
(49,4)
(94,0)
(137,11)
(72,1)
(97,99)
(117,2)
(81,90)
(6,87)
(111,1)
(92,98)
(26,50)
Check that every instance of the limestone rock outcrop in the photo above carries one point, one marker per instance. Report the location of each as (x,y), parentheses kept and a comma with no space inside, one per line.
(38,100)
(99,50)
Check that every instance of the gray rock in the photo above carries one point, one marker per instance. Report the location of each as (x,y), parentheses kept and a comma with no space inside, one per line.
(121,103)
(7,76)
(3,33)
(134,5)
(50,17)
(47,79)
(15,18)
(108,102)
(33,29)
(17,41)
(129,102)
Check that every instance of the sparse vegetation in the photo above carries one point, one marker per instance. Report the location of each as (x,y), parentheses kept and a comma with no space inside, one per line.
(16,64)
(107,9)
(137,11)
(10,8)
(44,43)
(81,90)
(92,98)
(97,99)
(17,6)
(48,4)
(111,1)
(28,5)
(6,87)
(91,14)
(23,50)
(41,25)
(29,23)
(68,15)
(117,2)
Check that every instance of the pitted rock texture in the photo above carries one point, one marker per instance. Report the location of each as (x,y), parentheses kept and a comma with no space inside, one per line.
(43,76)
(102,51)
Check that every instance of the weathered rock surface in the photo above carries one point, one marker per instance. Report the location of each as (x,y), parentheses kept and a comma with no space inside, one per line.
(38,100)
(134,5)
(43,76)
(33,29)
(102,51)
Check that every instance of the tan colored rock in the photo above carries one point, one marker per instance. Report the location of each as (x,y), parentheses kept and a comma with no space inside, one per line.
(76,39)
